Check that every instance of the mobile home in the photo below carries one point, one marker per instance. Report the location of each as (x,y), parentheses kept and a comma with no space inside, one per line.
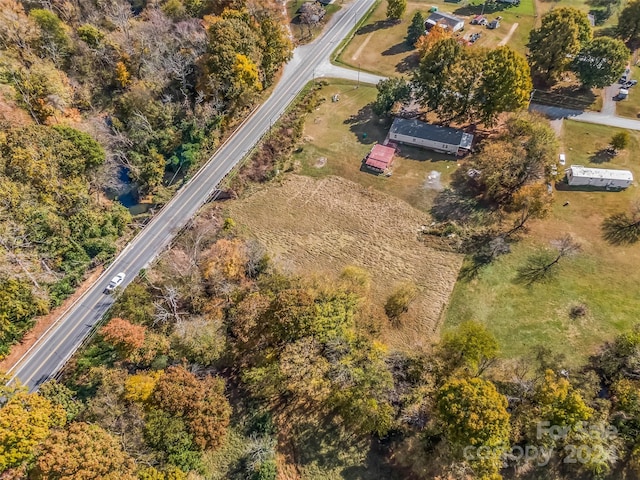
(578,175)
(434,137)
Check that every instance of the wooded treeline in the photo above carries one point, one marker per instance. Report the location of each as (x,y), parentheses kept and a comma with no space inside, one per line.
(219,365)
(89,88)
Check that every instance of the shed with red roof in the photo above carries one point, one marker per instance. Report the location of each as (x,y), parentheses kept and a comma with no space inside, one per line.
(380,158)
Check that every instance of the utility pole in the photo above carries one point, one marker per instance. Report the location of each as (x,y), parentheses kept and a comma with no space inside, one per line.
(358,84)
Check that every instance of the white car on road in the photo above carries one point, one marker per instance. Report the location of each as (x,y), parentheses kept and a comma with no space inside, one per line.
(562,159)
(114,283)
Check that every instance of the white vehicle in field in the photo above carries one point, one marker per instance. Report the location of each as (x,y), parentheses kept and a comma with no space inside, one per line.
(114,283)
(563,159)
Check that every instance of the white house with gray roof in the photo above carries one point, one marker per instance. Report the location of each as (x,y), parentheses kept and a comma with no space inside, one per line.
(445,20)
(433,137)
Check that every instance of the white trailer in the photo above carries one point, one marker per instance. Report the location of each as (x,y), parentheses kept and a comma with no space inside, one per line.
(578,175)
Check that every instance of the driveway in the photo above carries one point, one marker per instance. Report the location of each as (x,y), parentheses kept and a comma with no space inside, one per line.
(328,69)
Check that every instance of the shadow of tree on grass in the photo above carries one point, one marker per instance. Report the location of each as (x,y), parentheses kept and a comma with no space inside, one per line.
(397,49)
(372,27)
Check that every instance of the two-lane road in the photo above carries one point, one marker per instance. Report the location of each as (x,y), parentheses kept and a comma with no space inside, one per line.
(49,354)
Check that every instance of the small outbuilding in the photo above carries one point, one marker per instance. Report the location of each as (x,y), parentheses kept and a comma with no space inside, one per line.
(577,175)
(433,137)
(445,20)
(380,158)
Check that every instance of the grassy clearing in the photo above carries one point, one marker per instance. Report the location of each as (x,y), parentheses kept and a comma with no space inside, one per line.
(334,137)
(324,225)
(543,6)
(602,277)
(630,107)
(378,46)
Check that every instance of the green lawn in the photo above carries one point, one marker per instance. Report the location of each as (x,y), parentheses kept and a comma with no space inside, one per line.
(379,46)
(602,277)
(630,106)
(336,132)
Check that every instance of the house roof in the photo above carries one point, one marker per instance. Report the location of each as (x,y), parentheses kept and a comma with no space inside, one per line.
(380,157)
(439,18)
(584,172)
(416,128)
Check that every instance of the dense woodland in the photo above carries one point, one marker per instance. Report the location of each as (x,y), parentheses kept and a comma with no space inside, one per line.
(91,89)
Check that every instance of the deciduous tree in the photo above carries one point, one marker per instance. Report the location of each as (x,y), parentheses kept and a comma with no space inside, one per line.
(26,419)
(559,403)
(426,42)
(390,92)
(83,452)
(629,21)
(431,78)
(473,413)
(505,85)
(396,8)
(601,62)
(470,346)
(124,335)
(553,46)
(201,402)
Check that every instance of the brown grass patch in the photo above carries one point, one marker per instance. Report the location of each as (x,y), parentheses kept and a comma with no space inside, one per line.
(321,226)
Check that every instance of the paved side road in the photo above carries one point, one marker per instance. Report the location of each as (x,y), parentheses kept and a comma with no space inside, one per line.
(598,118)
(55,347)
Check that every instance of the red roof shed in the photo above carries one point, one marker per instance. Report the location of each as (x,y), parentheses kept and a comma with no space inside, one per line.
(380,157)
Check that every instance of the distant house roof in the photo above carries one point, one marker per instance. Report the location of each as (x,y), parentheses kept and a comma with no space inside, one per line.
(417,129)
(584,172)
(380,157)
(442,18)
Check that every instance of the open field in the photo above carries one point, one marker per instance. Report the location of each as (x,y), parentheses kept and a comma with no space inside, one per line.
(379,46)
(324,225)
(605,278)
(334,137)
(630,106)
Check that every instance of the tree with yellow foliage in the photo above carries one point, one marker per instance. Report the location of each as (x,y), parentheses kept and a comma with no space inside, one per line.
(123,77)
(26,420)
(139,387)
(474,414)
(226,259)
(559,403)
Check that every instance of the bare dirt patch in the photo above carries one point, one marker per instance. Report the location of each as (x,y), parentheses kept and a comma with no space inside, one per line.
(321,226)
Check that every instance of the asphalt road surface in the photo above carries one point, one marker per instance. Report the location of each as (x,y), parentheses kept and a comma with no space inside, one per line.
(57,345)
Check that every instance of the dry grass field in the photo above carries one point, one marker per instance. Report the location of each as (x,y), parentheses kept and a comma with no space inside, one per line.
(320,226)
(379,45)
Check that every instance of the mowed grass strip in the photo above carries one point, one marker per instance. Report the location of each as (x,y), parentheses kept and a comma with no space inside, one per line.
(320,226)
(602,277)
